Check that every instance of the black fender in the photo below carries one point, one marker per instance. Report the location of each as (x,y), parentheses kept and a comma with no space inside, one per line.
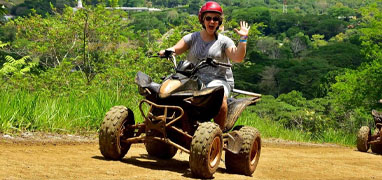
(235,108)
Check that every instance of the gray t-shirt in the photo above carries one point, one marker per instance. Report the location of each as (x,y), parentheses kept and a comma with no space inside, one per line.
(214,49)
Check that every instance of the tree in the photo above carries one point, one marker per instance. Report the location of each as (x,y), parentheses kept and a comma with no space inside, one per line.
(340,54)
(328,27)
(357,91)
(61,4)
(254,15)
(193,7)
(88,38)
(299,42)
(341,11)
(145,21)
(3,10)
(321,5)
(318,40)
(41,7)
(371,35)
(304,75)
(113,3)
(95,2)
(281,22)
(269,82)
(133,3)
(269,46)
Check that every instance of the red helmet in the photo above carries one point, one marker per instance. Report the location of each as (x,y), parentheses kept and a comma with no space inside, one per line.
(210,6)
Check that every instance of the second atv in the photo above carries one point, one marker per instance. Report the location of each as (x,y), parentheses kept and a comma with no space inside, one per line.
(177,116)
(366,140)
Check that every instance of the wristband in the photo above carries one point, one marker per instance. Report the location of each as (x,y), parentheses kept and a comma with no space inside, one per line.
(243,40)
(243,37)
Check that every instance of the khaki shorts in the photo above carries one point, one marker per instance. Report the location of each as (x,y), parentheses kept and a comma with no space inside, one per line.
(217,82)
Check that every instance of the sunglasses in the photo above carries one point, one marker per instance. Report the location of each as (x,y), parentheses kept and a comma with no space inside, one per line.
(209,18)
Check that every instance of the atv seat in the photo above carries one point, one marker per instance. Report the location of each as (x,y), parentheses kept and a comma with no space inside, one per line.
(144,81)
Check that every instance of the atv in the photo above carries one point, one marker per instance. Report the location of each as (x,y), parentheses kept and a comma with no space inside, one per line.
(177,116)
(364,138)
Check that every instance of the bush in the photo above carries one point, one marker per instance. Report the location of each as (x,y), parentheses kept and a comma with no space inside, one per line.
(294,112)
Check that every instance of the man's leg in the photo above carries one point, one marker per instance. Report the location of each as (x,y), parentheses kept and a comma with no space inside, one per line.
(221,117)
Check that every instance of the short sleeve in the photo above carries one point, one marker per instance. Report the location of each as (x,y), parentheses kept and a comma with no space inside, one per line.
(188,39)
(229,43)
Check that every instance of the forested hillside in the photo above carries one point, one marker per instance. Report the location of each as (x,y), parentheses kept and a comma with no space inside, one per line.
(347,7)
(318,64)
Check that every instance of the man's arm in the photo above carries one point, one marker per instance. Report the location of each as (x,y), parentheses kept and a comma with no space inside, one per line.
(237,54)
(179,48)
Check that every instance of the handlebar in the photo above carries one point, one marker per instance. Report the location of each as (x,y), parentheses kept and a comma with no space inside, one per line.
(167,54)
(217,63)
(170,55)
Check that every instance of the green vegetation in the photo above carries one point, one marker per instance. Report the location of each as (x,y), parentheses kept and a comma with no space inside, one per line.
(272,129)
(318,66)
(23,110)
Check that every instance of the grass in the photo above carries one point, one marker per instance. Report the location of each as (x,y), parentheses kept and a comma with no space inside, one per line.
(77,113)
(23,110)
(272,129)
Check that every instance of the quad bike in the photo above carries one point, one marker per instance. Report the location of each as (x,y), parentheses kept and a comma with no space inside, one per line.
(364,138)
(177,116)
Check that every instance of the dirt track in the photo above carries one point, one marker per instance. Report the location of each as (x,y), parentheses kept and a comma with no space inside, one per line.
(82,160)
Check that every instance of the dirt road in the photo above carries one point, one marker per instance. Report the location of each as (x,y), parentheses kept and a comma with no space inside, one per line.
(82,160)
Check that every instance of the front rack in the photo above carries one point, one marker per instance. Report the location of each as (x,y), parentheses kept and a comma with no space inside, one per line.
(161,118)
(159,123)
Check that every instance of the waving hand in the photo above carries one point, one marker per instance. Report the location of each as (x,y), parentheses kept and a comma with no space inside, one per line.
(244,29)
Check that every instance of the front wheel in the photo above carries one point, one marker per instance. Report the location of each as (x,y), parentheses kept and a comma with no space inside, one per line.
(245,162)
(114,128)
(362,138)
(206,150)
(376,148)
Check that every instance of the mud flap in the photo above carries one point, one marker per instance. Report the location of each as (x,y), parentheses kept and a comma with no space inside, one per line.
(234,142)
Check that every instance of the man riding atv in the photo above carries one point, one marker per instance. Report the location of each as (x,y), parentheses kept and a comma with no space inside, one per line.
(208,43)
(177,112)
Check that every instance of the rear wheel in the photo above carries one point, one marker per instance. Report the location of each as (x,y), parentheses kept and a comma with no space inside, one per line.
(362,138)
(245,162)
(160,149)
(114,128)
(206,150)
(376,148)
